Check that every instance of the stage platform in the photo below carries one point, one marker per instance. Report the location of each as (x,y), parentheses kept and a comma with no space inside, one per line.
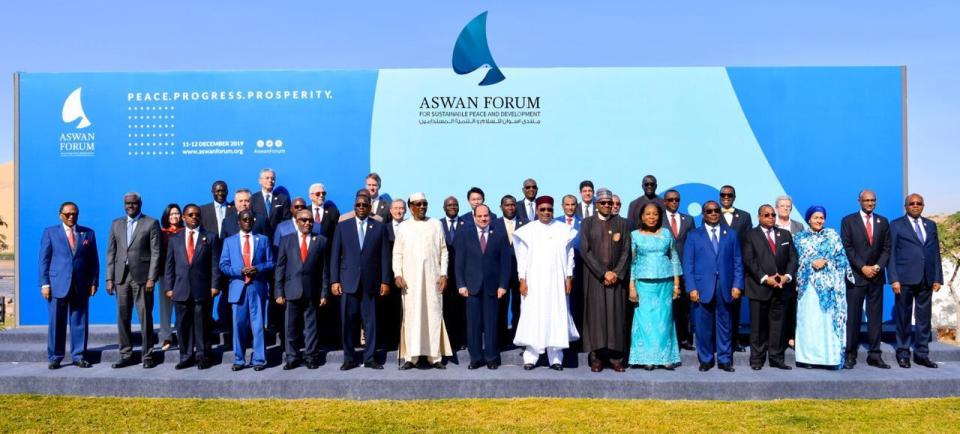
(23,369)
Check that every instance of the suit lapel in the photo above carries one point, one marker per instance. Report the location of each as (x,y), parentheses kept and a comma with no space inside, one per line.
(198,248)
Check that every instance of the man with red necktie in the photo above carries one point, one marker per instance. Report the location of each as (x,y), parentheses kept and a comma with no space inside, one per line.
(680,225)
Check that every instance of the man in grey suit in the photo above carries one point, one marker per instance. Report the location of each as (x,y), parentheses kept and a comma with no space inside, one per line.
(133,262)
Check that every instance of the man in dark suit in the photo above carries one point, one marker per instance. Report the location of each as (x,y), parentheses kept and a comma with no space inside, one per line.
(738,220)
(713,267)
(301,284)
(586,208)
(325,214)
(510,306)
(290,225)
(770,262)
(247,260)
(193,278)
(915,274)
(379,202)
(69,274)
(390,307)
(527,208)
(866,240)
(215,212)
(483,276)
(680,225)
(359,273)
(649,184)
(270,205)
(133,267)
(454,306)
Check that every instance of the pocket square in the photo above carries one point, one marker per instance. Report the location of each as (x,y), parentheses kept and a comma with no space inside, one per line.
(785,244)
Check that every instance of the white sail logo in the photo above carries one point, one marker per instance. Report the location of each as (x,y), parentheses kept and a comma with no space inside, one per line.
(73,110)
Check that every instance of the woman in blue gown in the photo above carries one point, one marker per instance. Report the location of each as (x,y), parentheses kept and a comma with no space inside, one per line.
(821,294)
(654,284)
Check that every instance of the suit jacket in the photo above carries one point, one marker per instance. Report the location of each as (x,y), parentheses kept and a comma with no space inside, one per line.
(759,261)
(684,226)
(633,212)
(582,205)
(741,222)
(296,279)
(279,209)
(576,226)
(383,207)
(208,217)
(706,271)
(289,227)
(356,268)
(518,223)
(231,265)
(231,226)
(468,219)
(522,210)
(450,236)
(141,259)
(193,279)
(860,252)
(479,270)
(61,268)
(913,262)
(331,216)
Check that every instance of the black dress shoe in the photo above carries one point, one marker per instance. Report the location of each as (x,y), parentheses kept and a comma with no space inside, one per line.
(346,366)
(904,363)
(878,363)
(259,367)
(925,362)
(54,365)
(203,364)
(123,363)
(83,363)
(780,365)
(236,367)
(439,365)
(849,364)
(373,365)
(727,368)
(289,365)
(686,346)
(493,365)
(474,365)
(756,367)
(406,366)
(528,366)
(312,365)
(647,367)
(704,367)
(667,367)
(183,365)
(556,367)
(739,348)
(149,364)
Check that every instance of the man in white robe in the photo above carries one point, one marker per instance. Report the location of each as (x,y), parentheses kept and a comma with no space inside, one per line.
(544,251)
(420,270)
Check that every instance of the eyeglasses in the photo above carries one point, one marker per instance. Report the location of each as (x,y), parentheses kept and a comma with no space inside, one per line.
(727,195)
(648,184)
(768,214)
(68,214)
(672,199)
(247,219)
(616,203)
(529,187)
(868,200)
(915,204)
(545,209)
(419,203)
(711,211)
(304,219)
(299,207)
(605,202)
(192,214)
(131,203)
(361,205)
(318,193)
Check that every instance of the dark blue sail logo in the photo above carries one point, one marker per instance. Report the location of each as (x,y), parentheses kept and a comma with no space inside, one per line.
(472,52)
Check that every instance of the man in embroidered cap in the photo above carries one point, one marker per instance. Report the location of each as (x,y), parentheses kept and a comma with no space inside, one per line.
(420,271)
(605,252)
(545,267)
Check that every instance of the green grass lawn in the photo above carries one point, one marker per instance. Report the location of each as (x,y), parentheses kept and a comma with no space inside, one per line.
(73,414)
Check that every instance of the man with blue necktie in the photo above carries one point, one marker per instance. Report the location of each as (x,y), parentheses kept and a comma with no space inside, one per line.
(915,273)
(713,267)
(69,274)
(247,261)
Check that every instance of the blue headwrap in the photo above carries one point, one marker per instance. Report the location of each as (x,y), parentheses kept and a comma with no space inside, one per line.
(813,209)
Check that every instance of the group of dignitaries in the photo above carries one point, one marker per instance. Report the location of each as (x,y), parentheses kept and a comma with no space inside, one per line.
(632,291)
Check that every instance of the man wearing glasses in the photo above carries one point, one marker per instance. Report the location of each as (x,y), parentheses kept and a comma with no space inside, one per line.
(738,220)
(325,214)
(649,184)
(680,225)
(544,250)
(527,208)
(420,271)
(915,273)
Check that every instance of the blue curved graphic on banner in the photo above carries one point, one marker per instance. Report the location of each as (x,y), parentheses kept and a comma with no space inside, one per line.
(471,51)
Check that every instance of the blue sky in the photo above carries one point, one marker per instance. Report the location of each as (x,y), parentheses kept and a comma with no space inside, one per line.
(46,36)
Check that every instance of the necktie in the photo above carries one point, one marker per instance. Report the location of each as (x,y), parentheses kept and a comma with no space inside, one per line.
(71,240)
(361,233)
(221,210)
(317,214)
(247,256)
(190,247)
(869,225)
(916,227)
(530,214)
(511,225)
(569,221)
(303,248)
(673,225)
(267,198)
(483,241)
(714,240)
(130,231)
(773,246)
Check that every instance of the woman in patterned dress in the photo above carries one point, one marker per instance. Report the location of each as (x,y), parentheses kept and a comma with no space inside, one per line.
(821,294)
(654,284)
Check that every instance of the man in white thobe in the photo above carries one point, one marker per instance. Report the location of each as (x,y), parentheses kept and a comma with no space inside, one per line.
(420,270)
(544,251)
